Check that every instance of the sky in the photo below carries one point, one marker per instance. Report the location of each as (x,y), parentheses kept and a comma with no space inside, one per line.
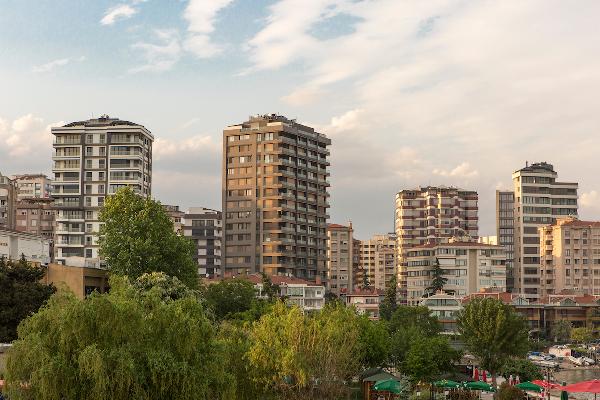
(412,93)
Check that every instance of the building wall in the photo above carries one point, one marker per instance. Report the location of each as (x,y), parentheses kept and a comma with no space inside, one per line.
(33,186)
(340,258)
(275,199)
(36,216)
(468,267)
(13,244)
(432,215)
(204,227)
(176,216)
(539,200)
(92,159)
(8,202)
(505,231)
(378,259)
(82,281)
(570,257)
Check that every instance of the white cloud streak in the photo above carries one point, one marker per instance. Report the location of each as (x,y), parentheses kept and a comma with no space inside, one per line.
(117,13)
(55,64)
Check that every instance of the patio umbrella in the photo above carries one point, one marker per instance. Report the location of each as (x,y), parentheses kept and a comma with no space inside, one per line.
(388,385)
(564,395)
(529,387)
(445,383)
(546,384)
(476,374)
(592,386)
(480,386)
(484,376)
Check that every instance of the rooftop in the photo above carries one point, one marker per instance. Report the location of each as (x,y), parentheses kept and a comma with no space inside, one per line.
(103,120)
(455,244)
(536,166)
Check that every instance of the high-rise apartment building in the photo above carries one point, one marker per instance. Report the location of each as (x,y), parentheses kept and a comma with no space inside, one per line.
(36,216)
(431,215)
(340,258)
(505,231)
(570,253)
(93,159)
(539,200)
(8,202)
(33,186)
(468,267)
(204,227)
(275,200)
(378,259)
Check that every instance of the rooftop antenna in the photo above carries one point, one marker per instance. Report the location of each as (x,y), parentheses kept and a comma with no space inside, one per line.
(526,164)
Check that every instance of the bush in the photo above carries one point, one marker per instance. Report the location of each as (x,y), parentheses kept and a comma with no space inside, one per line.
(508,392)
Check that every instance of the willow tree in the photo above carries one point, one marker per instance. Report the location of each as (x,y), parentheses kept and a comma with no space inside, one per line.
(492,331)
(137,237)
(118,345)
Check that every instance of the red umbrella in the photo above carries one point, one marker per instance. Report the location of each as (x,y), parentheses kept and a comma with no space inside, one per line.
(592,386)
(547,385)
(476,374)
(484,376)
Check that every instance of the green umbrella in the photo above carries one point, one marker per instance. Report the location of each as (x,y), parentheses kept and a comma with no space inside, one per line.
(388,385)
(564,395)
(530,387)
(480,386)
(445,383)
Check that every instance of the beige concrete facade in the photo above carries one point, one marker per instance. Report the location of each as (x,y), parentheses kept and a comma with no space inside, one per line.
(36,216)
(340,256)
(539,200)
(570,257)
(93,159)
(176,216)
(33,186)
(82,281)
(378,259)
(8,202)
(275,198)
(469,267)
(430,215)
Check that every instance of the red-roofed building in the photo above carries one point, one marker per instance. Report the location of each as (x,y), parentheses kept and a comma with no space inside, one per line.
(366,301)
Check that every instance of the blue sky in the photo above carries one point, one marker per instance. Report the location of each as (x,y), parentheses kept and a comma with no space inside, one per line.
(411,92)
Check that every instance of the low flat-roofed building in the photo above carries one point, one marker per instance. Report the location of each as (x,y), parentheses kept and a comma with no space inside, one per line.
(81,280)
(14,244)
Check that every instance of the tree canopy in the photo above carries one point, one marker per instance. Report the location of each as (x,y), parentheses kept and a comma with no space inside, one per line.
(390,301)
(438,280)
(525,369)
(561,330)
(429,357)
(137,237)
(582,335)
(492,331)
(117,345)
(21,294)
(230,297)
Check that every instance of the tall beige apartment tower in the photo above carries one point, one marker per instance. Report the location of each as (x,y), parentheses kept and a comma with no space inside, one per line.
(431,215)
(539,200)
(275,199)
(93,159)
(570,252)
(340,258)
(378,259)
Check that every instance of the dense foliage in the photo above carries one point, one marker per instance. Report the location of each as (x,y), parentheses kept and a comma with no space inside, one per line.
(390,301)
(561,330)
(230,297)
(137,237)
(438,280)
(523,368)
(492,331)
(21,294)
(508,392)
(582,335)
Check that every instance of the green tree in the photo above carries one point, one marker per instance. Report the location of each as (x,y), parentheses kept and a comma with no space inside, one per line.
(429,357)
(365,279)
(438,280)
(117,345)
(582,335)
(508,392)
(21,294)
(561,330)
(374,342)
(390,301)
(268,288)
(137,237)
(492,331)
(230,297)
(525,369)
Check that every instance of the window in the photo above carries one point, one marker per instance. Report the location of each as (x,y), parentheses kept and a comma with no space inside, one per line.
(88,253)
(89,138)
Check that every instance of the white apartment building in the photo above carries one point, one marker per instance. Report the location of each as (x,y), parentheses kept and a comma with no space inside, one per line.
(340,258)
(570,252)
(378,259)
(469,267)
(430,215)
(93,159)
(33,186)
(539,200)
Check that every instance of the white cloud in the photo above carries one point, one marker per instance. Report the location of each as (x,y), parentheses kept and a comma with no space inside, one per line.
(201,46)
(463,170)
(159,56)
(164,148)
(118,12)
(589,204)
(52,65)
(201,16)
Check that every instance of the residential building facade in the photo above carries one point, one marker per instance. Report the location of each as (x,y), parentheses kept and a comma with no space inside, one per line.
(33,186)
(378,259)
(309,296)
(445,308)
(468,267)
(505,231)
(275,198)
(431,215)
(8,202)
(176,216)
(570,257)
(204,227)
(340,258)
(93,159)
(539,200)
(36,216)
(15,244)
(365,301)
